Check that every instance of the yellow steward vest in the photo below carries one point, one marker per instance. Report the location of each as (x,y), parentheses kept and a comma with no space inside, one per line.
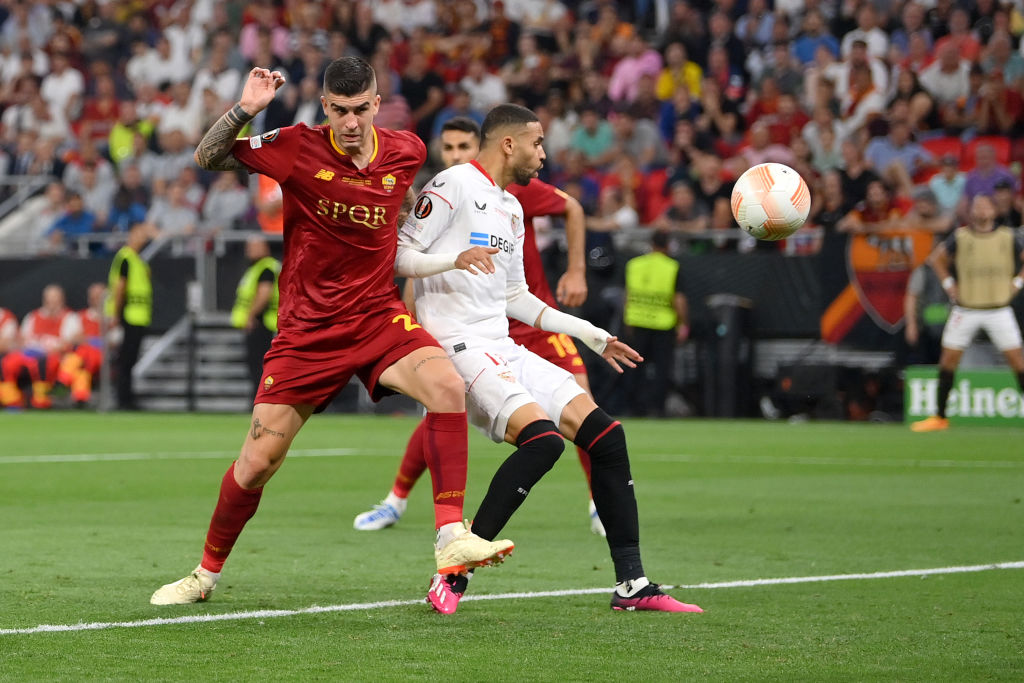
(650,291)
(246,292)
(138,293)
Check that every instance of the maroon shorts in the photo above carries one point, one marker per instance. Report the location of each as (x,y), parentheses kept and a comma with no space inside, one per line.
(559,349)
(311,366)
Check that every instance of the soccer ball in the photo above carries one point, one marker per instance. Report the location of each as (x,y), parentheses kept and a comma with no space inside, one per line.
(770,201)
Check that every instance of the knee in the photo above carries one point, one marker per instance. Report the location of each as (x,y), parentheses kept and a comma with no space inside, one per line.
(543,441)
(446,394)
(255,466)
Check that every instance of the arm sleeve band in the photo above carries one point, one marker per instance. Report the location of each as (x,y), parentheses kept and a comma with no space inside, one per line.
(412,263)
(522,305)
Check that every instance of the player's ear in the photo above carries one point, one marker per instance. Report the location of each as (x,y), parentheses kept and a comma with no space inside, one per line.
(508,144)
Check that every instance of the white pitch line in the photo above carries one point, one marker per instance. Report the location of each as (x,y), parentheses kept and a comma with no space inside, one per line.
(181,455)
(352,607)
(640,456)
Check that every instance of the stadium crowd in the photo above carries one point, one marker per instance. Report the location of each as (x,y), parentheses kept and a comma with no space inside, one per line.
(896,114)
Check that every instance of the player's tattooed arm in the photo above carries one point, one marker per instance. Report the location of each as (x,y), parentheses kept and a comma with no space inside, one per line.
(259,429)
(214,150)
(407,203)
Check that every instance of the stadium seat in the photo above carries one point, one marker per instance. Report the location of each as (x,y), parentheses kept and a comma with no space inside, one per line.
(1000,143)
(940,147)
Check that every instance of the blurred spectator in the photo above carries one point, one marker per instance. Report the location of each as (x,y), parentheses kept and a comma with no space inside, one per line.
(181,114)
(646,104)
(156,66)
(97,194)
(926,214)
(639,60)
(74,222)
(856,175)
(575,171)
(171,216)
(100,112)
(999,56)
(986,174)
(218,75)
(82,363)
(637,138)
(960,36)
(405,15)
(538,16)
(684,214)
(269,203)
(226,203)
(87,154)
(104,37)
(719,116)
(946,79)
(841,73)
(130,202)
(262,20)
(1008,204)
(921,111)
(761,149)
(394,112)
(721,35)
(911,21)
(679,73)
(896,156)
(925,309)
(26,20)
(45,161)
(561,121)
(948,184)
(755,26)
(781,66)
(177,154)
(814,34)
(526,74)
(862,102)
(868,31)
(682,105)
(365,33)
(458,106)
(485,88)
(423,89)
(594,138)
(876,213)
(63,87)
(714,191)
(613,215)
(47,333)
(1000,109)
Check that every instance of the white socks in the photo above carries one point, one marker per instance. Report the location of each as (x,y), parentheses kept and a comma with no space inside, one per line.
(448,532)
(396,502)
(628,589)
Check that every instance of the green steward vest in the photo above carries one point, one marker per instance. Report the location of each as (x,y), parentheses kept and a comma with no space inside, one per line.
(650,291)
(138,293)
(246,292)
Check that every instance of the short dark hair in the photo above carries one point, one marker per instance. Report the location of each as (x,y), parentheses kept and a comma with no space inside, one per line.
(505,115)
(349,76)
(659,239)
(462,123)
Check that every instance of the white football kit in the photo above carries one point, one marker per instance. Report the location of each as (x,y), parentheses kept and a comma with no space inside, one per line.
(467,314)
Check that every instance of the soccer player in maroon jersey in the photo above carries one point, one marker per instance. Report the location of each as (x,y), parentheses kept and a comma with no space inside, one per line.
(460,142)
(344,185)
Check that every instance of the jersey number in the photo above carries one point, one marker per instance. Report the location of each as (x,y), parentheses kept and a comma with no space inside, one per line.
(563,344)
(407,321)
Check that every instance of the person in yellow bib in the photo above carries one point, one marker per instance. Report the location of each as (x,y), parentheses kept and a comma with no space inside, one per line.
(255,309)
(987,280)
(657,318)
(130,304)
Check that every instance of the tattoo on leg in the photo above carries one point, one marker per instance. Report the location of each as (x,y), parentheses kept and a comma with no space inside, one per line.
(417,366)
(259,430)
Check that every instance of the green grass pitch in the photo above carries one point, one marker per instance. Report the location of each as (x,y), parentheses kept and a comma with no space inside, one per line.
(97,511)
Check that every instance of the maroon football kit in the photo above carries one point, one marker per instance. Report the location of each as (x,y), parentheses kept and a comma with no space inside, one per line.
(340,312)
(541,199)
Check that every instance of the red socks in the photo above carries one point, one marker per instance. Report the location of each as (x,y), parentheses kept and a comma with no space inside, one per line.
(414,462)
(445,450)
(235,507)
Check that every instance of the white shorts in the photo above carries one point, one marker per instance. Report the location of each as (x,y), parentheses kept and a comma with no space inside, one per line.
(502,377)
(999,324)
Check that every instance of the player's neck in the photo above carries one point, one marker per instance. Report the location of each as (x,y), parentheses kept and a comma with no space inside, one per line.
(495,168)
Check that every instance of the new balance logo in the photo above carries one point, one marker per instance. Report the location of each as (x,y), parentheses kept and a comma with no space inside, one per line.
(324,174)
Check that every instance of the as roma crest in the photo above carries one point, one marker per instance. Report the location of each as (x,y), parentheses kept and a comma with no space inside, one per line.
(389,181)
(879,265)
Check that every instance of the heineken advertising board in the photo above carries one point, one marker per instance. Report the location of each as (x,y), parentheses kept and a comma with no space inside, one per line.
(978,397)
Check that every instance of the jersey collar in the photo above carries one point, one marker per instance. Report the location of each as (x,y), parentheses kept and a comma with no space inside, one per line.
(481,169)
(339,150)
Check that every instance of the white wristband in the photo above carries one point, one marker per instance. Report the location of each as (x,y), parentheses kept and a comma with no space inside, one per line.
(948,282)
(1018,282)
(553,320)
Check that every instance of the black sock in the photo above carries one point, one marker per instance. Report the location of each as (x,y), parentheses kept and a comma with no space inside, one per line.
(945,385)
(540,445)
(612,486)
(1020,381)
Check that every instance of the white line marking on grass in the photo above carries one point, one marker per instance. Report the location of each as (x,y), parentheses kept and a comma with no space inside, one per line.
(353,607)
(824,460)
(182,455)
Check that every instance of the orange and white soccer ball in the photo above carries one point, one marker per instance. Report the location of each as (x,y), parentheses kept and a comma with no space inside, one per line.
(770,201)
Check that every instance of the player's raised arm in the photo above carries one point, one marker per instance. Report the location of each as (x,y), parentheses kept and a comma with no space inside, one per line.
(572,286)
(214,151)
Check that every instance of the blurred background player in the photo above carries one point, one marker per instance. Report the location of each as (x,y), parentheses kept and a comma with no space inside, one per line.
(460,143)
(985,255)
(80,365)
(10,395)
(47,333)
(130,305)
(656,317)
(255,309)
(514,395)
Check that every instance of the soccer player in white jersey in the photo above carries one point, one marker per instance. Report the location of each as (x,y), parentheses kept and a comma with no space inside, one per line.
(514,395)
